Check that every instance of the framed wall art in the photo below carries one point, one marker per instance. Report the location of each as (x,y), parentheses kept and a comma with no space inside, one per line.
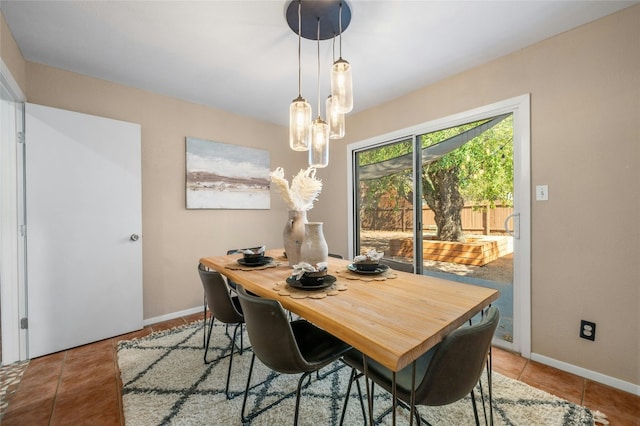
(225,176)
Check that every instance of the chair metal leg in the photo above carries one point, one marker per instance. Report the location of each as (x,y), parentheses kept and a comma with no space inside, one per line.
(489,385)
(206,348)
(246,390)
(346,397)
(204,318)
(232,349)
(484,406)
(233,338)
(413,393)
(226,330)
(364,410)
(475,408)
(355,376)
(489,369)
(369,392)
(417,415)
(302,377)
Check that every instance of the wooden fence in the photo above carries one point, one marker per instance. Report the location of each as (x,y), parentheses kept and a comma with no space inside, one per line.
(476,221)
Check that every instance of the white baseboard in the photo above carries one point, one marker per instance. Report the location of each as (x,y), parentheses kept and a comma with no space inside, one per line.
(588,374)
(171,316)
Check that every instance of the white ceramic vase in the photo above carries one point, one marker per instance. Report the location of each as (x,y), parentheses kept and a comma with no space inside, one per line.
(293,235)
(314,247)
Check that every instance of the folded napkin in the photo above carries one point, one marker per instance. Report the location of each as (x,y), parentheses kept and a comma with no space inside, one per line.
(303,267)
(371,255)
(259,250)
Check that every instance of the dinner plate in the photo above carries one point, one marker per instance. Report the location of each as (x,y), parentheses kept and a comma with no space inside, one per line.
(326,282)
(379,270)
(265,261)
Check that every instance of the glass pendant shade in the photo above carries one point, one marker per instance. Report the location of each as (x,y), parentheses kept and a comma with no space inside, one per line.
(319,150)
(299,124)
(341,86)
(335,119)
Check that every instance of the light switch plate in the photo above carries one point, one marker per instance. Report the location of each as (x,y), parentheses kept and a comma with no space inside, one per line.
(542,192)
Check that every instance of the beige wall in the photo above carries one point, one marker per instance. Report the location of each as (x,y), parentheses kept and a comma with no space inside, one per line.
(11,55)
(174,238)
(585,144)
(585,104)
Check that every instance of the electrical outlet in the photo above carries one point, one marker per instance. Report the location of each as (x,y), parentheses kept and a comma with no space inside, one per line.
(588,330)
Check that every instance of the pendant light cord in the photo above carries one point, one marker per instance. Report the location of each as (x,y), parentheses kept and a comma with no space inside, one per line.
(299,50)
(340,25)
(333,49)
(318,67)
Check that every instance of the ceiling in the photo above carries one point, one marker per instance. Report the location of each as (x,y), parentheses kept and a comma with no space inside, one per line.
(241,56)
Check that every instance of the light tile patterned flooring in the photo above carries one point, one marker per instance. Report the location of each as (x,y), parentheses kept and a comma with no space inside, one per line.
(82,386)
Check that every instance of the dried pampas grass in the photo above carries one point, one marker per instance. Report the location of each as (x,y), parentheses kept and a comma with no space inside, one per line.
(304,190)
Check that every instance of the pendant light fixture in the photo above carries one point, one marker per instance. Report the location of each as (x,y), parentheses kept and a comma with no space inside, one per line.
(300,110)
(319,151)
(320,20)
(334,117)
(341,80)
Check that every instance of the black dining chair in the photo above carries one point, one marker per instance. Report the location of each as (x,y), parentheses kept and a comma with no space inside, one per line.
(445,374)
(232,288)
(233,284)
(224,308)
(287,347)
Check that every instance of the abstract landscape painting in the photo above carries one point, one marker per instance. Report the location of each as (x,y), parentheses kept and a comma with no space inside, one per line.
(224,176)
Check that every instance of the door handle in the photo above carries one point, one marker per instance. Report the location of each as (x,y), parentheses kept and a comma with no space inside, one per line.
(134,237)
(515,232)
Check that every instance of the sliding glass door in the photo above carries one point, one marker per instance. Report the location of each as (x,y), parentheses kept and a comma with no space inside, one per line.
(442,200)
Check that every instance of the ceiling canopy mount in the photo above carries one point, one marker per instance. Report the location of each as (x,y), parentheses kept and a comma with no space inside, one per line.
(328,12)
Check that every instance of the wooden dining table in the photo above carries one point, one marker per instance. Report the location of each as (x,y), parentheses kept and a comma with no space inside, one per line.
(392,319)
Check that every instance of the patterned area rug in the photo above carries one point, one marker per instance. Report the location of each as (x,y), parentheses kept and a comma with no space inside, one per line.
(166,382)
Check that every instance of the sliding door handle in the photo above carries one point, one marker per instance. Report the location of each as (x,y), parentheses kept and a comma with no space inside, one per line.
(515,232)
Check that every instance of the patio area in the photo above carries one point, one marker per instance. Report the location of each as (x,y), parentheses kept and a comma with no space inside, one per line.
(499,270)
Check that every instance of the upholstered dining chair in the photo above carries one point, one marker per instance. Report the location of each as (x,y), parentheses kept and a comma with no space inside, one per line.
(444,374)
(224,308)
(232,289)
(232,284)
(287,347)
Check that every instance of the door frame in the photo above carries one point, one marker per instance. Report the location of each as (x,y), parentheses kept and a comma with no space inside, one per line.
(520,107)
(12,255)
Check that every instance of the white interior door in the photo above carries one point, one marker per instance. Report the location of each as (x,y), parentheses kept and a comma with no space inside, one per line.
(83,205)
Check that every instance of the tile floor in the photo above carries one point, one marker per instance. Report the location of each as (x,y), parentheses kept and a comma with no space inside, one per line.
(81,386)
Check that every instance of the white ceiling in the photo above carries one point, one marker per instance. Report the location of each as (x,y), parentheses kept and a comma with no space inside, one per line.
(241,56)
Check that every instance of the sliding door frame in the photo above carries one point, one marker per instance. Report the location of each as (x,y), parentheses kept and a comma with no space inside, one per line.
(520,108)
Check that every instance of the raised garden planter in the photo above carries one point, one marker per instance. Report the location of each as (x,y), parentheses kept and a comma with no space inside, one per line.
(475,251)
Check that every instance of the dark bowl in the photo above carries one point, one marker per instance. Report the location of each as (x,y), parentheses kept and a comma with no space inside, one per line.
(313,278)
(253,258)
(367,266)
